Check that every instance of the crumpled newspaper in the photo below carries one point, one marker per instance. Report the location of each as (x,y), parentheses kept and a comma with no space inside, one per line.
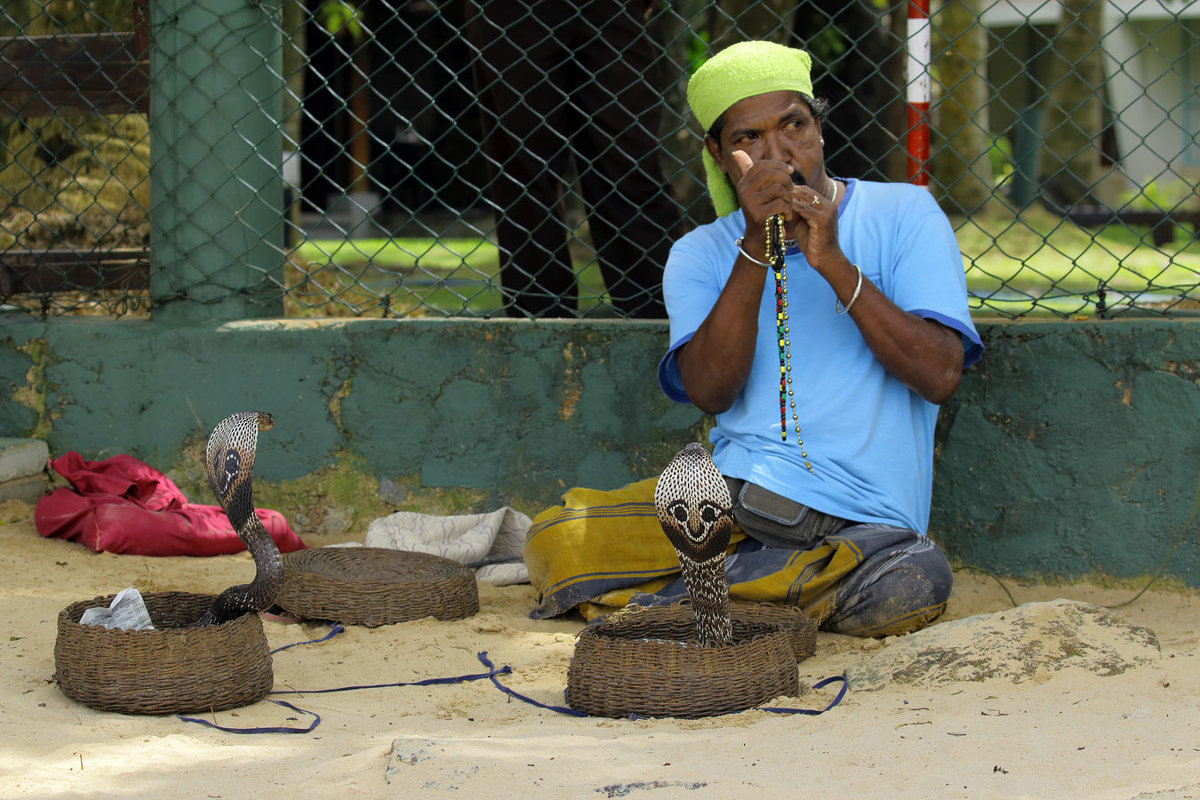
(127,612)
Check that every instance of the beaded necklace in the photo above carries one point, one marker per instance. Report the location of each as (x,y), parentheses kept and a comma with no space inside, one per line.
(787,396)
(786,393)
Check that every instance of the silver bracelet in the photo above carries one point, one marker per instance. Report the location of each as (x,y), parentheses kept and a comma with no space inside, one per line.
(837,304)
(750,258)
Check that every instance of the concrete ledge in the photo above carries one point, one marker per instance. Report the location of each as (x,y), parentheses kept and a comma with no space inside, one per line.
(21,458)
(1072,448)
(28,489)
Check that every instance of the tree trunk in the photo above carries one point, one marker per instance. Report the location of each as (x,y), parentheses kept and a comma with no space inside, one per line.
(295,44)
(851,48)
(896,68)
(960,138)
(295,48)
(1073,118)
(678,30)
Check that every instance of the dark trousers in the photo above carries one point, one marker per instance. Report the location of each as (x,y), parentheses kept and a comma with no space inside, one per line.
(561,82)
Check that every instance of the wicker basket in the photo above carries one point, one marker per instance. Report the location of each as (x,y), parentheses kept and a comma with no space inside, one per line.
(375,586)
(642,663)
(800,628)
(167,670)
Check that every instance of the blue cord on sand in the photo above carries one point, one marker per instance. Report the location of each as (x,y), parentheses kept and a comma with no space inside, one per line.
(280,729)
(560,709)
(335,629)
(574,713)
(491,674)
(812,712)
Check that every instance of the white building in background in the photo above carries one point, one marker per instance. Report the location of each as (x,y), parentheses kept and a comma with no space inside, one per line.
(1152,74)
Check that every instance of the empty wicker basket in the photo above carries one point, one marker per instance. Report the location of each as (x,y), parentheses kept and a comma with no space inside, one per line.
(647,663)
(375,586)
(167,670)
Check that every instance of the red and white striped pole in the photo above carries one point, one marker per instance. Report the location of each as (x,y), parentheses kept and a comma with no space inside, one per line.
(918,92)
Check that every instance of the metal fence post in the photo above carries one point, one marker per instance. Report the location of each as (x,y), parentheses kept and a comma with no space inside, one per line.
(215,153)
(918,92)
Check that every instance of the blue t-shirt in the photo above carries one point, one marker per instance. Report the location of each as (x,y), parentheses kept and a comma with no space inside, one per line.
(868,437)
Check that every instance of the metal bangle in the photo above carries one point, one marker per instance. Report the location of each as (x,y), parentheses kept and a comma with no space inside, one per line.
(750,258)
(837,304)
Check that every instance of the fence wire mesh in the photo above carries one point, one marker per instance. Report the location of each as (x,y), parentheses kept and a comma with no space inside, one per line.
(536,158)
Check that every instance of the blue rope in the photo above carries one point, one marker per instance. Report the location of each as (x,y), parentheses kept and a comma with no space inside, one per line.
(491,674)
(560,709)
(575,713)
(812,712)
(316,721)
(334,629)
(427,682)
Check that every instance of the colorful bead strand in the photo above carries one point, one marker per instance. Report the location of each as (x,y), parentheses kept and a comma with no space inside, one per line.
(787,395)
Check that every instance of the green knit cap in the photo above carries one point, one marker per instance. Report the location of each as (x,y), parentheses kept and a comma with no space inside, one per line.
(739,71)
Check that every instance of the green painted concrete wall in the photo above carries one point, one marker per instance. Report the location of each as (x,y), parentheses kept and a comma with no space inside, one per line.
(524,409)
(1074,448)
(1070,449)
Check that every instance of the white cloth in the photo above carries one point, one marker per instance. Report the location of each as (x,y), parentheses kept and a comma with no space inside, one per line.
(497,538)
(127,612)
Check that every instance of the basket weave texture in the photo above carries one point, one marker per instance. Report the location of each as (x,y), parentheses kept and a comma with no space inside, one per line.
(167,670)
(374,586)
(647,663)
(800,628)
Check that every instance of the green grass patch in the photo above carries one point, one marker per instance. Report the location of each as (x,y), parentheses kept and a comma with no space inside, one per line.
(1032,263)
(1035,262)
(453,276)
(475,255)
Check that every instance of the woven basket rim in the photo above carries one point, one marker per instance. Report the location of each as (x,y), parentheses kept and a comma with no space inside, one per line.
(647,662)
(376,586)
(74,612)
(358,563)
(665,629)
(169,669)
(800,628)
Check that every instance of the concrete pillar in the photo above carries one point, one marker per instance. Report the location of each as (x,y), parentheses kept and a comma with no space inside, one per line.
(216,192)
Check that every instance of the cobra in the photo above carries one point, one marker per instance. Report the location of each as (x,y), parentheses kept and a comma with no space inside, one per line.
(695,512)
(229,462)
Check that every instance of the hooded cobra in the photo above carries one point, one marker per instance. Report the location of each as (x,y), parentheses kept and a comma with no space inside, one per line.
(229,461)
(695,511)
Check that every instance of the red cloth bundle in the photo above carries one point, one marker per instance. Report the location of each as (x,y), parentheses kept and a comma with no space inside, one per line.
(123,505)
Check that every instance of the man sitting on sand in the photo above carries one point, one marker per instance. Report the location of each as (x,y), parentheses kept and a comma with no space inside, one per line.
(824,376)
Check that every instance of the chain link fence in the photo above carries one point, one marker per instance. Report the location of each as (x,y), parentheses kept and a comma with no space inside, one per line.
(530,158)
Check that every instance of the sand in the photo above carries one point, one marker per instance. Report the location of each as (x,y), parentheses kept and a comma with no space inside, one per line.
(1046,723)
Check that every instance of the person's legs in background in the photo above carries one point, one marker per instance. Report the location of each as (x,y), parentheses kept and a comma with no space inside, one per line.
(519,72)
(631,210)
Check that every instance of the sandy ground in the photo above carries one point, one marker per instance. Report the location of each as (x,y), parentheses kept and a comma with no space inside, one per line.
(1066,733)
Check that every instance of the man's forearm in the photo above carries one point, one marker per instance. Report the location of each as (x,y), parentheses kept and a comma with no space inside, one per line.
(715,364)
(924,355)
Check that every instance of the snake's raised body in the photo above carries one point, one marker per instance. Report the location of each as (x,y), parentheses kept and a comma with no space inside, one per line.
(695,510)
(229,462)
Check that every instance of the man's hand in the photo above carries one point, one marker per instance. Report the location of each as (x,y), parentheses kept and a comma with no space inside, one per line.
(768,188)
(764,190)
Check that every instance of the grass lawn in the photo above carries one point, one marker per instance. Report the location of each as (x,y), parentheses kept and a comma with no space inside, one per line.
(1016,265)
(1039,263)
(414,277)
